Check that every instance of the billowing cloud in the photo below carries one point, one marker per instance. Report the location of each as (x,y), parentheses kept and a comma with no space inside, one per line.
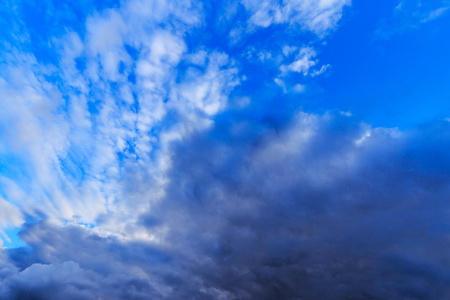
(251,211)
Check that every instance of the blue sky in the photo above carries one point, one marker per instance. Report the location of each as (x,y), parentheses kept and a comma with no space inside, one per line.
(159,149)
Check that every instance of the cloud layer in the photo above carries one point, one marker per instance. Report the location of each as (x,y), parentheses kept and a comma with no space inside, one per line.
(148,153)
(325,206)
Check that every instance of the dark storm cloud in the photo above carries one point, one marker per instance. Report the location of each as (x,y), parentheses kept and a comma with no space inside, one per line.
(71,263)
(323,208)
(317,210)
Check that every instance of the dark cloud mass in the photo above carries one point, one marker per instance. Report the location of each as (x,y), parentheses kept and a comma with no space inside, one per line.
(325,207)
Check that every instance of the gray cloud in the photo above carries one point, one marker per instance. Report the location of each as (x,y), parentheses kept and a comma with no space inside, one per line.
(71,263)
(323,208)
(313,212)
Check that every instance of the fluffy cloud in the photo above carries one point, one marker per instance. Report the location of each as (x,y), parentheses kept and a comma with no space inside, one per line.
(105,108)
(208,92)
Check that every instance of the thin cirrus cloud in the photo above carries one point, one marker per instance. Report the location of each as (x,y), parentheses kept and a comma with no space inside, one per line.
(317,16)
(410,14)
(140,160)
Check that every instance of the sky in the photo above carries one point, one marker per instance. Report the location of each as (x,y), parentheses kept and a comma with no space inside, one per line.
(271,149)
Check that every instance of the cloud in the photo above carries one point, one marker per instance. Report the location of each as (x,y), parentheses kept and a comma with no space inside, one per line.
(137,168)
(275,217)
(286,62)
(208,92)
(251,211)
(303,62)
(106,107)
(69,281)
(434,14)
(10,215)
(410,14)
(316,16)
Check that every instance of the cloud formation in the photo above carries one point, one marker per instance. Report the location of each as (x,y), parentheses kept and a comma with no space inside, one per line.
(317,16)
(411,14)
(112,107)
(325,206)
(146,153)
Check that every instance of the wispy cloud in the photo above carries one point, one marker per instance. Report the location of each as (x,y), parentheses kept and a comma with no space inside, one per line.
(411,14)
(317,16)
(434,14)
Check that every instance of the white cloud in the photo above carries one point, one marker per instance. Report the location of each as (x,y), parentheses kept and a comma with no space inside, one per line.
(299,88)
(198,58)
(280,82)
(303,62)
(264,55)
(322,69)
(88,140)
(10,215)
(317,16)
(207,91)
(434,14)
(288,50)
(410,14)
